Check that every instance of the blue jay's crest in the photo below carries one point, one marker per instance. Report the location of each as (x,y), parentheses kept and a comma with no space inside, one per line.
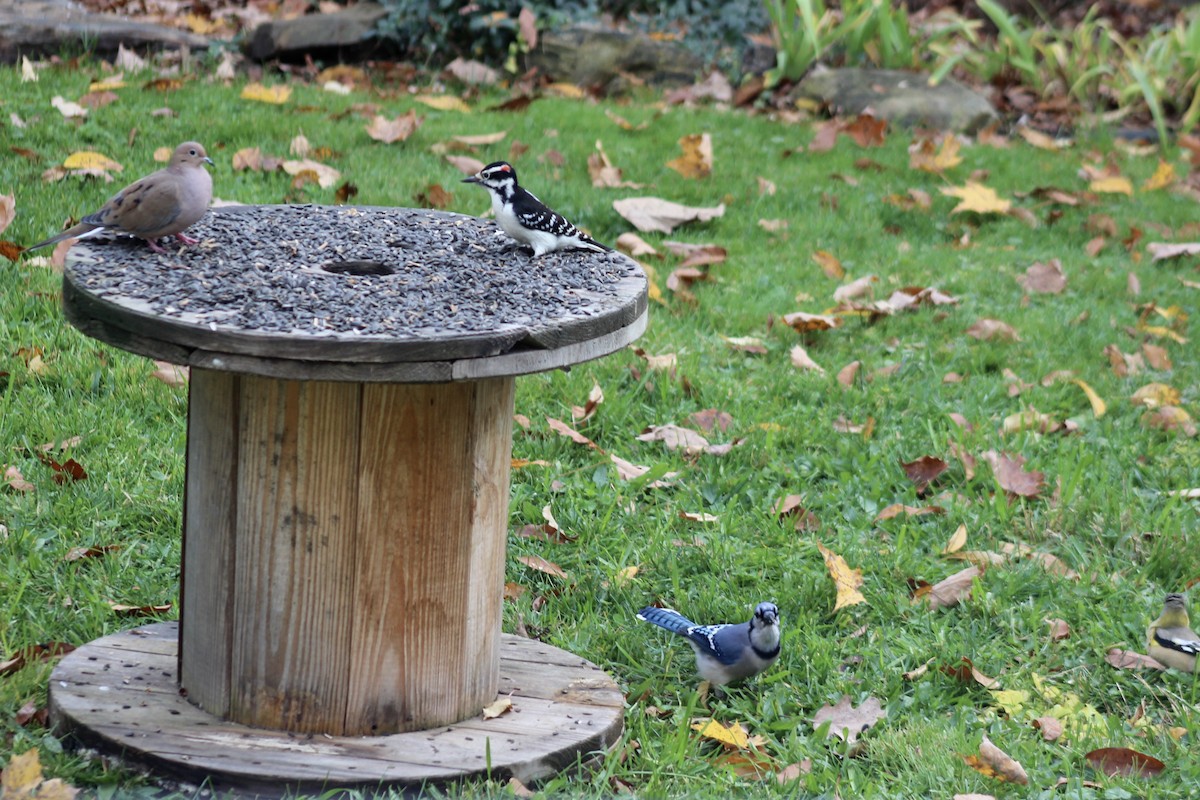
(728,652)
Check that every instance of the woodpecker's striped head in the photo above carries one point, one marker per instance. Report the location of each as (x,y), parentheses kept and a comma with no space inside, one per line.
(499,176)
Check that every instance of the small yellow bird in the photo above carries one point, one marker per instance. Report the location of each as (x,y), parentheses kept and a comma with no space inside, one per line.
(1170,639)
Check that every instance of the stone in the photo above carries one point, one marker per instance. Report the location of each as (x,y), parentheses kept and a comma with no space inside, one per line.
(351,30)
(600,57)
(50,27)
(902,98)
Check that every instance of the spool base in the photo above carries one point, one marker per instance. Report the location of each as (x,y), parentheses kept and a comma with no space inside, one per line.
(121,695)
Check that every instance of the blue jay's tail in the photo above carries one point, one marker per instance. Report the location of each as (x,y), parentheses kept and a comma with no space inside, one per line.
(667,618)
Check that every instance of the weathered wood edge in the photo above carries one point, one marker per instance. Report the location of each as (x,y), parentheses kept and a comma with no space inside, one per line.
(566,711)
(519,361)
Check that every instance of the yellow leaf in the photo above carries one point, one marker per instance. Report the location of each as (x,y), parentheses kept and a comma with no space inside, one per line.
(1099,407)
(697,158)
(829,264)
(978,198)
(1153,395)
(626,575)
(733,737)
(846,580)
(443,102)
(107,86)
(1112,185)
(22,775)
(497,707)
(568,90)
(276,95)
(957,541)
(201,25)
(1163,177)
(1162,332)
(927,159)
(88,159)
(1010,701)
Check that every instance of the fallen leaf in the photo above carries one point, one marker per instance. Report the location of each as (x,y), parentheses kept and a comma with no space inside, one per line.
(1123,761)
(68,109)
(732,737)
(801,360)
(1170,418)
(1153,395)
(846,722)
(465,164)
(501,705)
(829,264)
(385,130)
(951,591)
(1164,175)
(1160,251)
(1045,278)
(926,156)
(32,654)
(1050,727)
(896,509)
(656,214)
(698,516)
(474,73)
(1099,407)
(977,198)
(542,565)
(958,540)
(123,610)
(803,322)
(866,130)
(14,480)
(633,245)
(847,374)
(77,553)
(443,102)
(924,471)
(793,771)
(845,579)
(985,329)
(563,429)
(325,176)
(1010,473)
(746,344)
(855,289)
(1157,357)
(595,398)
(1059,629)
(697,159)
(89,159)
(1113,184)
(1005,766)
(170,374)
(275,95)
(709,419)
(8,210)
(965,672)
(1128,659)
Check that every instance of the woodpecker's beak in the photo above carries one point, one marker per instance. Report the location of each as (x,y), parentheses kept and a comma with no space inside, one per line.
(472,179)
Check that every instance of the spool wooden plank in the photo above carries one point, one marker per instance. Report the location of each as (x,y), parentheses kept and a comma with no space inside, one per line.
(121,693)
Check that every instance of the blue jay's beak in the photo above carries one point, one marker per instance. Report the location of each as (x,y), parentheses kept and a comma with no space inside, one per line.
(768,613)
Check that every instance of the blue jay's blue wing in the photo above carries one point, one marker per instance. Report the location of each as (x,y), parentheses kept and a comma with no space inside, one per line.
(723,642)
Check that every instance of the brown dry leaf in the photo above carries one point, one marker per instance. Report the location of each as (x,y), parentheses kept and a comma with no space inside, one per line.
(8,210)
(1128,659)
(1038,139)
(170,374)
(848,373)
(773,225)
(1005,766)
(1170,418)
(924,471)
(633,245)
(698,516)
(1059,629)
(434,196)
(1029,420)
(926,156)
(803,322)
(595,398)
(385,130)
(1123,761)
(952,590)
(604,175)
(977,198)
(855,289)
(1050,727)
(745,344)
(1012,476)
(896,509)
(829,264)
(250,158)
(325,175)
(514,784)
(985,329)
(846,580)
(473,73)
(443,102)
(465,164)
(801,360)
(847,722)
(697,159)
(793,771)
(1160,251)
(655,214)
(958,540)
(14,480)
(1045,278)
(501,705)
(78,553)
(710,418)
(666,361)
(542,565)
(563,429)
(276,95)
(866,130)
(766,187)
(1157,357)
(965,672)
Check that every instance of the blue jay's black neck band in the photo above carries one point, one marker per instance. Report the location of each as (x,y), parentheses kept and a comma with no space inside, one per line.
(765,654)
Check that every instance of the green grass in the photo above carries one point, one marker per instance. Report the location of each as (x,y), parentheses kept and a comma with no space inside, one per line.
(1109,518)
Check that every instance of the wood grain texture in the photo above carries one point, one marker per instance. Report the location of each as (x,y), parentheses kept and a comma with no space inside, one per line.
(209,524)
(120,694)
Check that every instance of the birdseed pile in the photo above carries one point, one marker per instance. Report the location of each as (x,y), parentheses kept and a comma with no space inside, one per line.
(350,272)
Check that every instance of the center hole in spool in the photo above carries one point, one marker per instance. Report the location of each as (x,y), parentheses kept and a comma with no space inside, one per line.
(358,268)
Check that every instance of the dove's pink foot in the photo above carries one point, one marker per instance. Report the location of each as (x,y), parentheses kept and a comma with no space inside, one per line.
(186,239)
(155,247)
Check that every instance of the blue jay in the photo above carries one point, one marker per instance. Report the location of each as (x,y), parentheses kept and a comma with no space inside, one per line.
(725,653)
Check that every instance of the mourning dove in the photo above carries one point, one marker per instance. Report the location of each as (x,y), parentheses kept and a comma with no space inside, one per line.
(1172,641)
(163,203)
